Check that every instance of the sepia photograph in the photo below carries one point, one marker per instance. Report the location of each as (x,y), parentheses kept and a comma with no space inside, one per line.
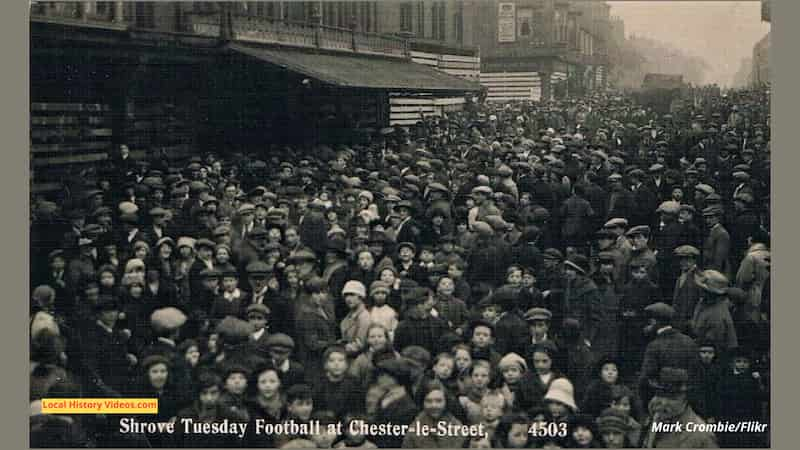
(399,224)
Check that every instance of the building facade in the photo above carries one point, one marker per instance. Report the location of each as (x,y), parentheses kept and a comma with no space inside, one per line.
(188,77)
(760,71)
(542,49)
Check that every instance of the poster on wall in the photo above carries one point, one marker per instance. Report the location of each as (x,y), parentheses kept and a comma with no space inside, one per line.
(506,22)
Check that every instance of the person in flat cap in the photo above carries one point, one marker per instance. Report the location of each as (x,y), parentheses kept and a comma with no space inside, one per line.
(671,386)
(668,347)
(419,326)
(639,237)
(484,205)
(614,428)
(686,291)
(582,297)
(394,378)
(717,242)
(620,199)
(639,292)
(645,200)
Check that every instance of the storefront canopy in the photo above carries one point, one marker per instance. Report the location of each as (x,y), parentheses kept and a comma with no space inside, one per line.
(366,72)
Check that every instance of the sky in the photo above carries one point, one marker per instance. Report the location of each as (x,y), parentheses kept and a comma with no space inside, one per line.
(721,32)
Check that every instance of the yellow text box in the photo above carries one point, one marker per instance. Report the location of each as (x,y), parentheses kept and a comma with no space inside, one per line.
(100,406)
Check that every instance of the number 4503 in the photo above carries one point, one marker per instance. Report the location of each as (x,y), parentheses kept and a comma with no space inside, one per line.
(539,429)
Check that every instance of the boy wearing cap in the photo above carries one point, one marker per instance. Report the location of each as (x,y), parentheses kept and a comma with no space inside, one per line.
(686,290)
(717,243)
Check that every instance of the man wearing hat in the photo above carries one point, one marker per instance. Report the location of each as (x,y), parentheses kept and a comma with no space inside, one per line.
(408,230)
(686,290)
(104,355)
(614,429)
(484,205)
(669,347)
(420,327)
(620,199)
(671,407)
(717,243)
(253,248)
(158,225)
(712,319)
(645,201)
(639,236)
(666,238)
(745,224)
(582,299)
(394,379)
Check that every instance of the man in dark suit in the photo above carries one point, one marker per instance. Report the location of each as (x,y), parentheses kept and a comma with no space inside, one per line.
(669,348)
(644,200)
(408,230)
(104,360)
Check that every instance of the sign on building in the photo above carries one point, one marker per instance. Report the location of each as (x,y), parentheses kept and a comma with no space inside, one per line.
(506,22)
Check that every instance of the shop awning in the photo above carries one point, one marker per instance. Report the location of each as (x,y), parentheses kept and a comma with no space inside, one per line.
(366,72)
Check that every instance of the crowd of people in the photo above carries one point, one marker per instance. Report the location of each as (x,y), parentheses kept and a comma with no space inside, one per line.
(563,274)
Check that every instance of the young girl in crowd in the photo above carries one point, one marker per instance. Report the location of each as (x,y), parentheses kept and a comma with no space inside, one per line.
(625,403)
(597,395)
(378,341)
(513,432)
(267,403)
(234,393)
(582,432)
(544,373)
(493,406)
(480,377)
(351,435)
(381,312)
(560,400)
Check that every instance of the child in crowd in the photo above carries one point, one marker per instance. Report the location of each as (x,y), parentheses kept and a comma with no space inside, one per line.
(351,437)
(625,403)
(582,432)
(480,377)
(560,400)
(597,395)
(451,308)
(493,406)
(381,312)
(481,342)
(514,431)
(338,391)
(378,341)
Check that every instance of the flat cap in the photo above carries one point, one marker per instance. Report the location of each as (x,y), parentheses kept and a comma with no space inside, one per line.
(203,242)
(553,254)
(704,188)
(669,207)
(167,319)
(280,340)
(258,308)
(486,190)
(302,255)
(483,229)
(538,314)
(713,210)
(616,222)
(660,311)
(687,251)
(639,230)
(246,208)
